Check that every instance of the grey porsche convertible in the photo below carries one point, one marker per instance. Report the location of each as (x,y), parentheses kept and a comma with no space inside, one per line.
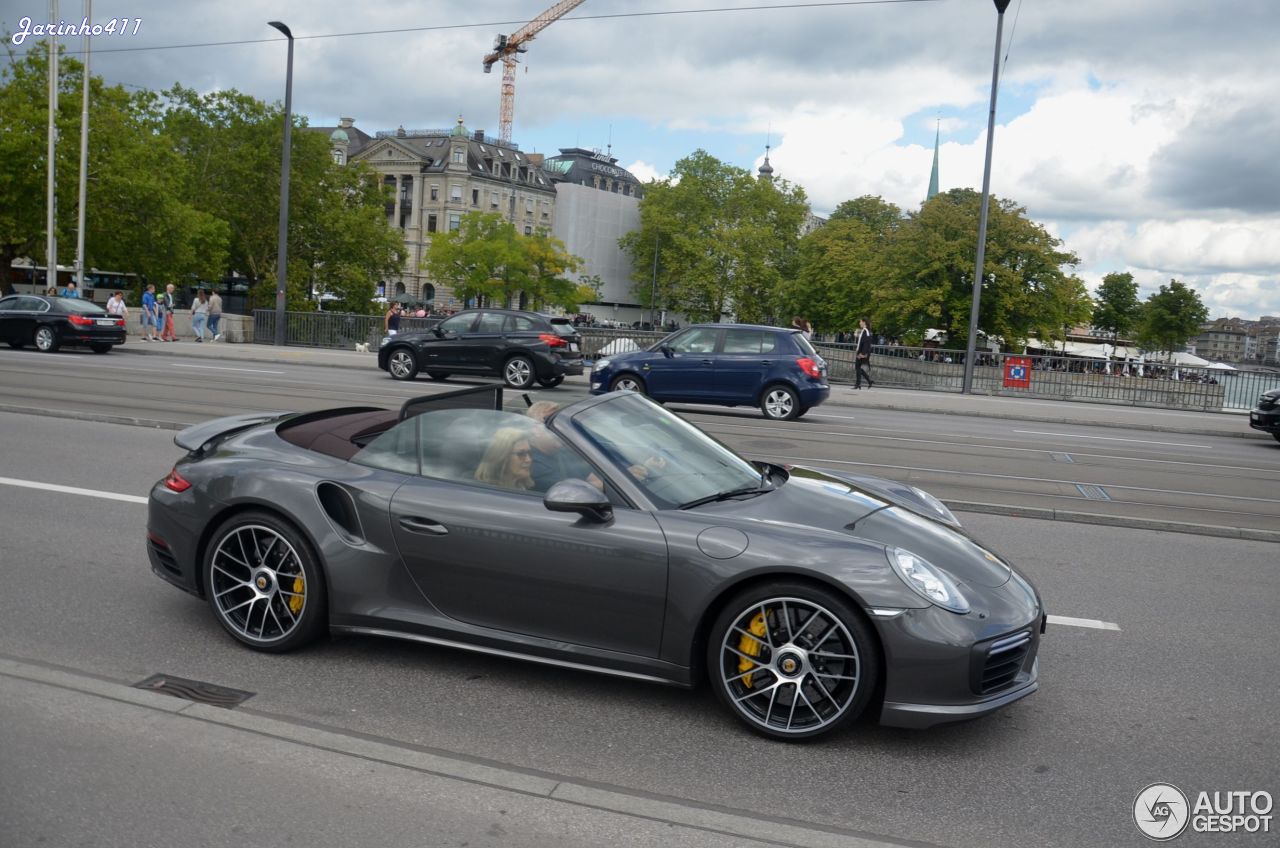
(608,535)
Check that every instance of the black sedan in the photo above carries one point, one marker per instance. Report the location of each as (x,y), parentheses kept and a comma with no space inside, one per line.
(48,323)
(615,537)
(520,347)
(1266,415)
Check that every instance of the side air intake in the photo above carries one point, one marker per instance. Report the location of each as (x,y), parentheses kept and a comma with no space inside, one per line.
(341,509)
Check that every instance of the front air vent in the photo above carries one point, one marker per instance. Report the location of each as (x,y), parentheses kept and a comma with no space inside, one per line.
(341,509)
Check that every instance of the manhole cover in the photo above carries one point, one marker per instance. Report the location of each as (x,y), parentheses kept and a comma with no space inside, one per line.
(195,690)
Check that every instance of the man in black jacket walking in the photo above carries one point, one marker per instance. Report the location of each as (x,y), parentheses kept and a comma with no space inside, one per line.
(862,354)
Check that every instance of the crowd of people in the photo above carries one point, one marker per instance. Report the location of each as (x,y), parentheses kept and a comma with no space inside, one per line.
(158,311)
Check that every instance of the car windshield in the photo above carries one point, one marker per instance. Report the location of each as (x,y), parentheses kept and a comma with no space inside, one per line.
(674,462)
(80,307)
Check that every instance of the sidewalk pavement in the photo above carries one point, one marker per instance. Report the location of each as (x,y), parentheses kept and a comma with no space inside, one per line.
(843,397)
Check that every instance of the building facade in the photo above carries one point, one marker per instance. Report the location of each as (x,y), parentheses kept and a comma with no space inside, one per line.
(437,176)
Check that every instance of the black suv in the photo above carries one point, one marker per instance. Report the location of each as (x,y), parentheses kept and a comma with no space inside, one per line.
(520,347)
(1266,415)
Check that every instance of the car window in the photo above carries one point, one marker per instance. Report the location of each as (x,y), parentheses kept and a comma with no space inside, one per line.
(804,344)
(749,341)
(564,327)
(80,307)
(10,304)
(521,324)
(394,450)
(30,304)
(670,459)
(458,323)
(696,340)
(490,322)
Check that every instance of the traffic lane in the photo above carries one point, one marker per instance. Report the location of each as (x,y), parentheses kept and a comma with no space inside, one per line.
(1086,742)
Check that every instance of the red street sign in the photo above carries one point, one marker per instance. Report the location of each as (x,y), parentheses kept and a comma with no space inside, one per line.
(1017,372)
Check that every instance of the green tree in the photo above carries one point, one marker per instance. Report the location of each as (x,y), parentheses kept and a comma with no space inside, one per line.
(725,241)
(549,262)
(1025,289)
(483,258)
(1170,317)
(879,215)
(1116,305)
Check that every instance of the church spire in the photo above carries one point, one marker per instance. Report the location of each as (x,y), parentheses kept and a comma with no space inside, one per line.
(933,176)
(766,170)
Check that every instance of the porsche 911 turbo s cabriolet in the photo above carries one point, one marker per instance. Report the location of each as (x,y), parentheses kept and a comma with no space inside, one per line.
(609,535)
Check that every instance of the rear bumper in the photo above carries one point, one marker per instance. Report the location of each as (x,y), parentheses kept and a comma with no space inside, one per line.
(113,337)
(561,367)
(814,395)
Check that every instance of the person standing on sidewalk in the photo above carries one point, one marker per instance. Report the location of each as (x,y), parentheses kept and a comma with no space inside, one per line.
(71,290)
(862,354)
(167,303)
(116,306)
(803,325)
(391,321)
(199,314)
(215,315)
(150,314)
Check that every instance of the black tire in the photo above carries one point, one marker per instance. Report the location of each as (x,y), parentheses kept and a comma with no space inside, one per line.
(518,372)
(551,382)
(260,573)
(402,364)
(438,375)
(779,402)
(46,340)
(628,382)
(17,345)
(829,688)
(100,347)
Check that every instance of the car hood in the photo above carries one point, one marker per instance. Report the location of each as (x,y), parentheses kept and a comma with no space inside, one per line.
(814,499)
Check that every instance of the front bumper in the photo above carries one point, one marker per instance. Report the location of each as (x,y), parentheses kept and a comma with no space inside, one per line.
(1268,421)
(921,716)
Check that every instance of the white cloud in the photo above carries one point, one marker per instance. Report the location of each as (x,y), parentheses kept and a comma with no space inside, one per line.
(643,171)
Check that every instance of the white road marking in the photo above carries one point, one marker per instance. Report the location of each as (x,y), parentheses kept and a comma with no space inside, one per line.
(1114,439)
(1083,622)
(71,490)
(217,368)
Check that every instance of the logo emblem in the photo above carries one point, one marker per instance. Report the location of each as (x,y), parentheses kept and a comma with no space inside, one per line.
(1161,811)
(789,665)
(262,582)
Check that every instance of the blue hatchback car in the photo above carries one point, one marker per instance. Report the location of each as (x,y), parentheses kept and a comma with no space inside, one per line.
(725,364)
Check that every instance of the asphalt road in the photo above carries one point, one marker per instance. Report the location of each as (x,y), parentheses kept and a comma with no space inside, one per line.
(1202,480)
(1184,691)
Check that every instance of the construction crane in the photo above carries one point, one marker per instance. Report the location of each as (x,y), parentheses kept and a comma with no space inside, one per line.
(505,48)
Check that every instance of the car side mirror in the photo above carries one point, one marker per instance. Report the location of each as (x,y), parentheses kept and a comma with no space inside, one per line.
(439,332)
(667,351)
(574,495)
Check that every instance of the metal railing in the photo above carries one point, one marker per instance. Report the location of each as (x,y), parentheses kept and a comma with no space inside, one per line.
(1159,385)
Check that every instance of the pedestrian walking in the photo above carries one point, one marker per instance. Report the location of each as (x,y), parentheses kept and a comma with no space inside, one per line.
(166,303)
(117,307)
(199,315)
(862,354)
(215,316)
(803,325)
(150,314)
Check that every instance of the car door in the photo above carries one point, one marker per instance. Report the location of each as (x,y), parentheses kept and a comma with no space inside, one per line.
(686,370)
(442,349)
(499,559)
(8,319)
(484,347)
(23,315)
(746,357)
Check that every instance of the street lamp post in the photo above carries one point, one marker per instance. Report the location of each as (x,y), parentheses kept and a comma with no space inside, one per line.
(283,249)
(653,288)
(84,154)
(979,272)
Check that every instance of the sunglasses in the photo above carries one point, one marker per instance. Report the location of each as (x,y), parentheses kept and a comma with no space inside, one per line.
(522,454)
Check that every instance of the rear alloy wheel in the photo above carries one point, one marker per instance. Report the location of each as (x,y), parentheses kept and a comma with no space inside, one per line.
(792,660)
(438,375)
(402,364)
(551,382)
(264,583)
(518,373)
(46,340)
(627,383)
(780,403)
(100,347)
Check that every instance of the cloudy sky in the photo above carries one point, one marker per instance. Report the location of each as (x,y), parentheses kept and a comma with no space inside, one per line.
(1145,133)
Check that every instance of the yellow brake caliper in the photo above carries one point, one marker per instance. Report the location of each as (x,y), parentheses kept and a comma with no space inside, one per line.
(299,595)
(748,645)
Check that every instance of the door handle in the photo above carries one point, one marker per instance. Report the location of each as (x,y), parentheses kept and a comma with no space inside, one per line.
(425,526)
(708,362)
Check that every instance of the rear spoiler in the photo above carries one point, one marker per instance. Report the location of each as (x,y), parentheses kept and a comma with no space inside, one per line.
(195,437)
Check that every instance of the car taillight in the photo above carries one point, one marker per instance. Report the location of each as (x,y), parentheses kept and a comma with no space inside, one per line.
(119,322)
(809,367)
(175,482)
(80,320)
(552,339)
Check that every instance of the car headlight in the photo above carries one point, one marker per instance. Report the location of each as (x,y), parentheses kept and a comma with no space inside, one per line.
(927,580)
(601,364)
(937,506)
(385,341)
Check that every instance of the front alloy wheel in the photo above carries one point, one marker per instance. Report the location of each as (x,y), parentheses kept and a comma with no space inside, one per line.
(518,372)
(263,583)
(402,364)
(46,339)
(792,660)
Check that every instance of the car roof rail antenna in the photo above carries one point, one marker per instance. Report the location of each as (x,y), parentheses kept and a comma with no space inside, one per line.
(478,397)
